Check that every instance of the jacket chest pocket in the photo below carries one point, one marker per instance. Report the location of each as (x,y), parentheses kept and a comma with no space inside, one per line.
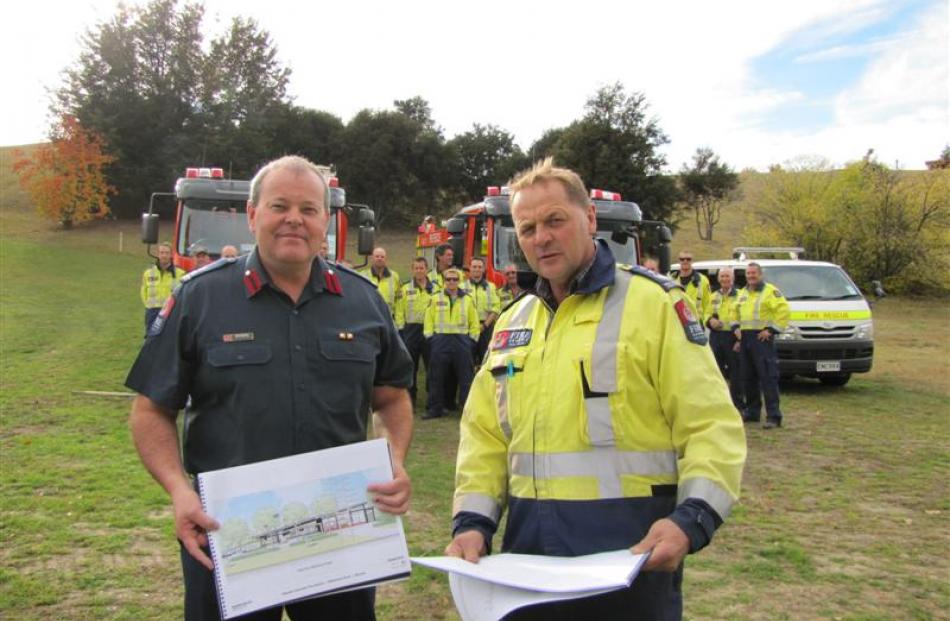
(239,355)
(602,378)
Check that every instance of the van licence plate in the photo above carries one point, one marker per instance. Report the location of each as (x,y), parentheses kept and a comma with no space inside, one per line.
(828,366)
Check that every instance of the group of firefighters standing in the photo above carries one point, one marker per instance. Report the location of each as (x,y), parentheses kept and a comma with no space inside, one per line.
(445,317)
(743,324)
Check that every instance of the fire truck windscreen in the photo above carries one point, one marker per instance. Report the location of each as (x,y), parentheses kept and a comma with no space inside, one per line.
(213,224)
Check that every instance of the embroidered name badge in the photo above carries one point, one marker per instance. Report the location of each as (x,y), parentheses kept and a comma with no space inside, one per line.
(507,339)
(694,331)
(238,337)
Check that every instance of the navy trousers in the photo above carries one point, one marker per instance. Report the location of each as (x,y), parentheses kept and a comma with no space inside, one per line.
(415,342)
(448,352)
(759,361)
(727,358)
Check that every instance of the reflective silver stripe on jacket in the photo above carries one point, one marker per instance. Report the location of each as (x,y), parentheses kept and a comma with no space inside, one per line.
(411,315)
(604,464)
(478,503)
(501,396)
(755,323)
(708,490)
(603,362)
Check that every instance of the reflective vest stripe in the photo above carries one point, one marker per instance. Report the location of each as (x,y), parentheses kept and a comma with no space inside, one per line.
(413,313)
(478,503)
(604,362)
(605,464)
(444,323)
(501,396)
(708,490)
(755,322)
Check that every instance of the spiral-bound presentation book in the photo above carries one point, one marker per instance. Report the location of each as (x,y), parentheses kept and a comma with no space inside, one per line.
(301,526)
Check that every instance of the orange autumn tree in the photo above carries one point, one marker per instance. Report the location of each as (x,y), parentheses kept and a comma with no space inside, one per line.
(64,178)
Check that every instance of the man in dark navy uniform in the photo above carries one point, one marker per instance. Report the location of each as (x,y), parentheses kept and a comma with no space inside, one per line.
(280,353)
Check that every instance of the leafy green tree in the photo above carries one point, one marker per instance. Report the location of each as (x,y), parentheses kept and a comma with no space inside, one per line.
(486,155)
(294,512)
(545,146)
(706,186)
(265,519)
(234,533)
(615,146)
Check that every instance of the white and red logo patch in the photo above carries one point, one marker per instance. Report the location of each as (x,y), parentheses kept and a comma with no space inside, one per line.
(507,339)
(694,331)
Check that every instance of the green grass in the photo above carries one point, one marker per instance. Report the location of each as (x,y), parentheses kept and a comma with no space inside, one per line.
(843,515)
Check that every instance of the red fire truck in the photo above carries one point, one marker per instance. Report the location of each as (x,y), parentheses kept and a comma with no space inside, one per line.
(486,229)
(211,212)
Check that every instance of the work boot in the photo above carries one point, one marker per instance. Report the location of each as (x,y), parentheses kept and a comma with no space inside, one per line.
(772,423)
(750,418)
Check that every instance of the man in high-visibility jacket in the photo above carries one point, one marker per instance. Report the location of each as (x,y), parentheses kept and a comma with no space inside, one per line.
(581,422)
(158,282)
(723,314)
(411,315)
(385,279)
(444,257)
(696,285)
(763,313)
(511,290)
(487,303)
(451,329)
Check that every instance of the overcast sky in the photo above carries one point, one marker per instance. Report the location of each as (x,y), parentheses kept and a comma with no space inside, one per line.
(760,82)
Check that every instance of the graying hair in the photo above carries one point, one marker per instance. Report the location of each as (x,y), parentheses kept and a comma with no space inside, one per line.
(295,164)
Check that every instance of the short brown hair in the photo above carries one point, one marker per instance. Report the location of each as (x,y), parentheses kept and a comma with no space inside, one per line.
(544,171)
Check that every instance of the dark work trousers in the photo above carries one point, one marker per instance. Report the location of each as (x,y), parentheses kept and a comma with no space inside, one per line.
(415,342)
(484,339)
(759,361)
(201,604)
(655,596)
(150,315)
(448,352)
(722,342)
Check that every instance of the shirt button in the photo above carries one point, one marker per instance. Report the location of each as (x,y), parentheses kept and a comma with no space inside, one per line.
(295,312)
(298,347)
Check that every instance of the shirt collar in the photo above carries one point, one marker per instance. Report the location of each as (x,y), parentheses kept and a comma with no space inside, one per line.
(253,264)
(593,277)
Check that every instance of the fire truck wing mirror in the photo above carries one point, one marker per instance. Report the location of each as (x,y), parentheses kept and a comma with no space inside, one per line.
(665,235)
(366,217)
(337,198)
(367,240)
(458,250)
(149,228)
(455,226)
(663,258)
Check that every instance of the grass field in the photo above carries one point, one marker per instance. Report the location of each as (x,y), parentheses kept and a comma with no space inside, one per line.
(844,512)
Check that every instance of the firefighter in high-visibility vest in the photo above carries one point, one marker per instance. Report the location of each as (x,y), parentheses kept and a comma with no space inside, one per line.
(444,256)
(451,329)
(696,285)
(510,290)
(487,303)
(723,314)
(158,282)
(581,422)
(763,314)
(411,315)
(385,279)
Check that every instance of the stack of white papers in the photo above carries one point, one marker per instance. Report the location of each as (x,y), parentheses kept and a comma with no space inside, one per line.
(499,584)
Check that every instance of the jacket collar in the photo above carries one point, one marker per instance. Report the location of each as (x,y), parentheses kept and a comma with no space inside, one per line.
(594,277)
(256,274)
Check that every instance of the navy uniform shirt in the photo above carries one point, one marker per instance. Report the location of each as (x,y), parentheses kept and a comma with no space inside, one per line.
(268,378)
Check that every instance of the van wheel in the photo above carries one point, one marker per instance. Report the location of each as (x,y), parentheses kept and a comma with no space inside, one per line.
(835,380)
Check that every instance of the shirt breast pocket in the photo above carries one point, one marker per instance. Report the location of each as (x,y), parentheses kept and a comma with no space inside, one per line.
(239,372)
(239,354)
(345,369)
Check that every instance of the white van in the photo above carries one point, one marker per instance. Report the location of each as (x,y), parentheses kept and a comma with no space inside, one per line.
(830,334)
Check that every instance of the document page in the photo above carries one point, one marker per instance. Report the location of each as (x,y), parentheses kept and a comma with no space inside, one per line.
(301,526)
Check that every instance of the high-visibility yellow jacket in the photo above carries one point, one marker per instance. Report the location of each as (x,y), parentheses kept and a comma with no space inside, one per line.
(486,297)
(158,284)
(699,291)
(762,308)
(591,422)
(447,315)
(506,296)
(411,306)
(387,284)
(725,308)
